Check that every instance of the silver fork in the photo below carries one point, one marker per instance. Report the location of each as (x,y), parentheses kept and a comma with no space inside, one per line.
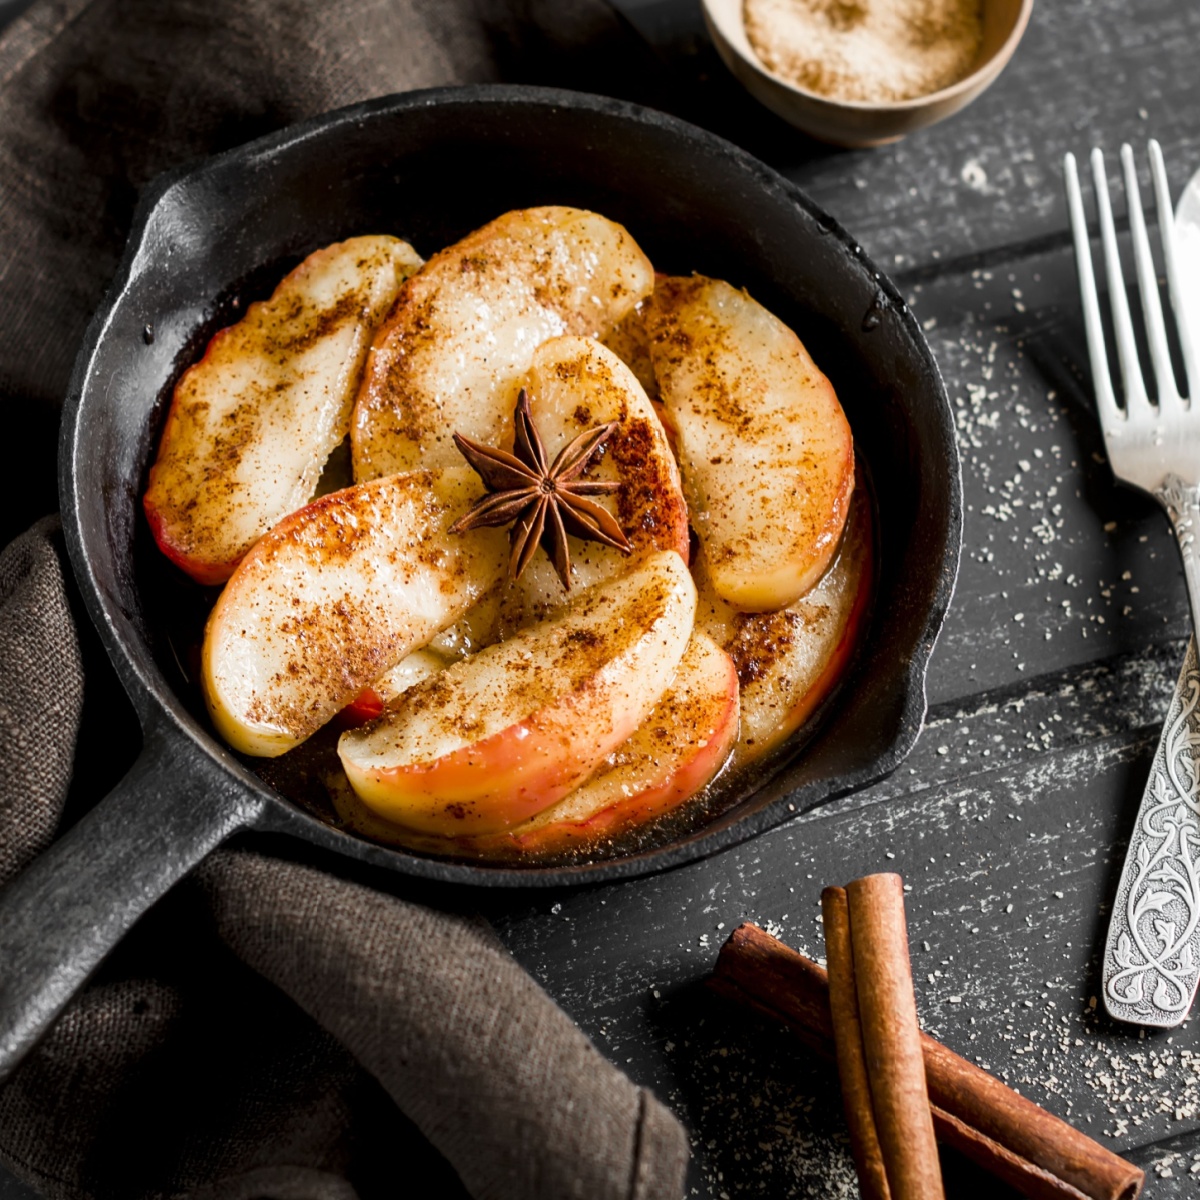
(1152,958)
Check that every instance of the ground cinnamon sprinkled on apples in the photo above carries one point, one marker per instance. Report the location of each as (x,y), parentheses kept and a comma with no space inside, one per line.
(759,640)
(648,501)
(867,50)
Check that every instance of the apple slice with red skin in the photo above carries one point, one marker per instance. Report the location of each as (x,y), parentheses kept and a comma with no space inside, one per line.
(253,422)
(464,329)
(366,706)
(335,595)
(494,739)
(574,384)
(789,660)
(765,450)
(676,751)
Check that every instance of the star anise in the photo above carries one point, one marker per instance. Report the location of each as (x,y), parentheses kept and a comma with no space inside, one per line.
(545,503)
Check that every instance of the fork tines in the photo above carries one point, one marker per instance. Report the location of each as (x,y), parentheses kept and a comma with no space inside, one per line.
(1137,401)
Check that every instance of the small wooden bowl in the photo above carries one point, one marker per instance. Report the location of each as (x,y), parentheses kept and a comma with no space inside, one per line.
(856,122)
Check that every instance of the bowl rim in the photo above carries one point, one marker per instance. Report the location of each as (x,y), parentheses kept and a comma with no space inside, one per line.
(156,700)
(981,75)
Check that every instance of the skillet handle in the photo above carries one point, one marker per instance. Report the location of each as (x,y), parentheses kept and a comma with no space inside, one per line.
(75,901)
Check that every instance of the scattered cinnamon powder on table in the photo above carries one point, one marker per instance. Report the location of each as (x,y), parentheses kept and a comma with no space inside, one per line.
(868,50)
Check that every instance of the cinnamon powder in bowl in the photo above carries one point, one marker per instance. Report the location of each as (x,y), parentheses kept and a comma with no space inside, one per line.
(863,72)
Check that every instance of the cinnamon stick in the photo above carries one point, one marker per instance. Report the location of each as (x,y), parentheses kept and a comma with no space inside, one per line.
(892,1037)
(848,1043)
(1018,1142)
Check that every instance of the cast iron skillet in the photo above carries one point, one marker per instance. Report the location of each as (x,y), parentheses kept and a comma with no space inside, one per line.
(430,166)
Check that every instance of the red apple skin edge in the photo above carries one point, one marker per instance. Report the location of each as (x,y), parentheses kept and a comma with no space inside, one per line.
(209,574)
(366,706)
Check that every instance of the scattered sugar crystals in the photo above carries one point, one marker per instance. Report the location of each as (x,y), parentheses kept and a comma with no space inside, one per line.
(1028,520)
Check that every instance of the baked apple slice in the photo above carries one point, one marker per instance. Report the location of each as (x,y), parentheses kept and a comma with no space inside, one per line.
(335,595)
(680,746)
(465,327)
(789,660)
(675,752)
(573,384)
(506,733)
(252,423)
(764,447)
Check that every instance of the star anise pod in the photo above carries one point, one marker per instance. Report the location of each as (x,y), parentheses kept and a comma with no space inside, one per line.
(545,503)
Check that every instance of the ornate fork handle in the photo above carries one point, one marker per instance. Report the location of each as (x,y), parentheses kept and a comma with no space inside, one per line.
(1152,959)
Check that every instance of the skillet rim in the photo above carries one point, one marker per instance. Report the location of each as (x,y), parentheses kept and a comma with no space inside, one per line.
(159,708)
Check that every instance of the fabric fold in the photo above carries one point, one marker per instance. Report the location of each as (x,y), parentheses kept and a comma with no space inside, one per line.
(464,1041)
(41,696)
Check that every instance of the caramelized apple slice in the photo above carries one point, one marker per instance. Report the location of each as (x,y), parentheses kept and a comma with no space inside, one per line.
(334,596)
(502,735)
(789,660)
(450,357)
(574,384)
(252,423)
(764,447)
(680,746)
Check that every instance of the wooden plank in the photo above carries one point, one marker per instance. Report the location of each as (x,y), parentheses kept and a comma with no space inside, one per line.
(1060,564)
(1172,1168)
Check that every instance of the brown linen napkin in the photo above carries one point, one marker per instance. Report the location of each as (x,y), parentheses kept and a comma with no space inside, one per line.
(269,1029)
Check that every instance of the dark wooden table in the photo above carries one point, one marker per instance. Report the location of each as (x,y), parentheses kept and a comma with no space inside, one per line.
(1010,819)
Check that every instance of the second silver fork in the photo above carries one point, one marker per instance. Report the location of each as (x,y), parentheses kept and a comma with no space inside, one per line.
(1151,964)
